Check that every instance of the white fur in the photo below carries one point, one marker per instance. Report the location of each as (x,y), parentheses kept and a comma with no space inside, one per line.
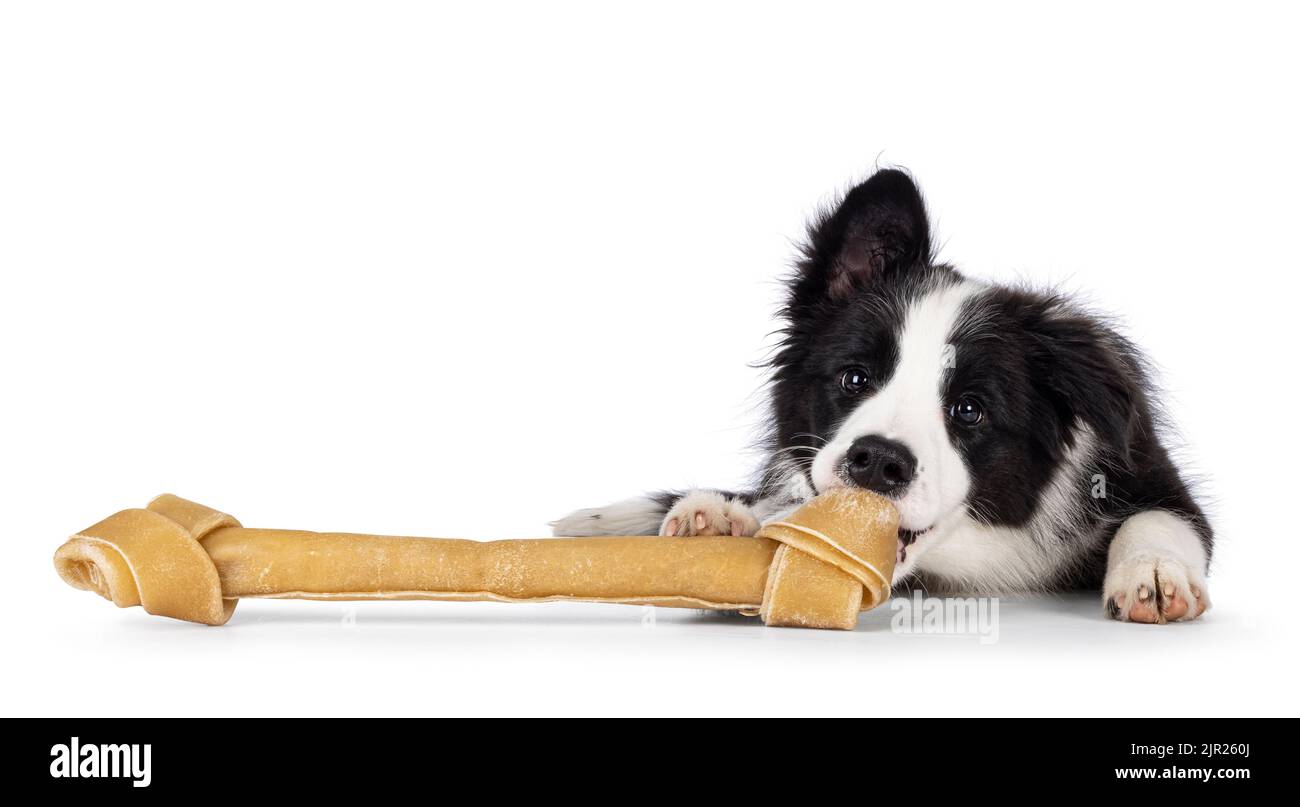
(785,495)
(910,409)
(1152,549)
(962,554)
(636,516)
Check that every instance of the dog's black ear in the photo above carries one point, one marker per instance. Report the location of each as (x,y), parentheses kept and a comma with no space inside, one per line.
(1091,376)
(880,228)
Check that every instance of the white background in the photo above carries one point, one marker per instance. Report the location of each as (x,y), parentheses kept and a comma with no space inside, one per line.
(439,271)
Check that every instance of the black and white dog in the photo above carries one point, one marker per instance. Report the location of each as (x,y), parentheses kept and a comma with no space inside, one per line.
(1014,431)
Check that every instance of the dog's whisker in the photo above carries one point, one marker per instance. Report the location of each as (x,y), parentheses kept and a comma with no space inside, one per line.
(792,449)
(813,436)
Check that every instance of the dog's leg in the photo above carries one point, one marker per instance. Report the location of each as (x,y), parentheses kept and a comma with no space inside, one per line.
(641,515)
(1155,571)
(694,512)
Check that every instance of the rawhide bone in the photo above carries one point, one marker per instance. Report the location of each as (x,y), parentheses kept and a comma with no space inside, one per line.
(830,559)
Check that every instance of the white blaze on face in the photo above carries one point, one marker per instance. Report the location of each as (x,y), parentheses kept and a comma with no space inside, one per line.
(910,409)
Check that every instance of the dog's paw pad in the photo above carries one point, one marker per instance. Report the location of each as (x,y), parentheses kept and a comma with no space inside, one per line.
(704,512)
(1155,591)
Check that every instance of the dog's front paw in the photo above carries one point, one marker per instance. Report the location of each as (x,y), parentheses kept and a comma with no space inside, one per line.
(707,512)
(1155,590)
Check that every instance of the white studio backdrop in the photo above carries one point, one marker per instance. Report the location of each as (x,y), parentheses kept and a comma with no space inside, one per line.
(413,269)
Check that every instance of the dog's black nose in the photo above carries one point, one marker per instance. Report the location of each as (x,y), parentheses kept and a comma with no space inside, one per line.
(885,466)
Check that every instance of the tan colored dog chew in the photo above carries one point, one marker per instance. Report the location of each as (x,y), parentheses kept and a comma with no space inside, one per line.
(829,560)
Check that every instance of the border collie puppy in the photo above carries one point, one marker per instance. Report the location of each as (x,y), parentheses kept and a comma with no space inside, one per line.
(1012,430)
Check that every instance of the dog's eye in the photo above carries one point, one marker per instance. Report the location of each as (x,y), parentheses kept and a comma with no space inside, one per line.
(967,411)
(854,380)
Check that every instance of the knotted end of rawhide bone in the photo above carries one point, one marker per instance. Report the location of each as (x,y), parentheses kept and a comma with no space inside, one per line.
(152,558)
(836,558)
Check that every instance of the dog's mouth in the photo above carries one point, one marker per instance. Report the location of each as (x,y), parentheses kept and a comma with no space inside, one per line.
(908,537)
